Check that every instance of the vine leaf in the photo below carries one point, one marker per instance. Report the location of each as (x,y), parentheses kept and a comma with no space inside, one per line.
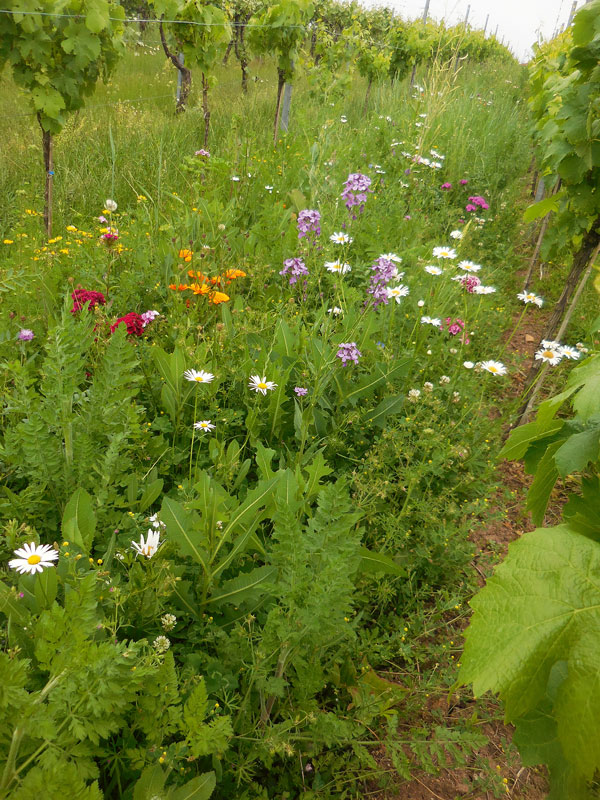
(542,607)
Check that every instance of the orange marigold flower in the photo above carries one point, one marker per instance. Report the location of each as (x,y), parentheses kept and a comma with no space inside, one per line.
(173,286)
(186,254)
(198,275)
(219,297)
(181,288)
(199,288)
(235,273)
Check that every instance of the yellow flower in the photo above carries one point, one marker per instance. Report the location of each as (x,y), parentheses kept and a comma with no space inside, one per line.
(8,241)
(71,228)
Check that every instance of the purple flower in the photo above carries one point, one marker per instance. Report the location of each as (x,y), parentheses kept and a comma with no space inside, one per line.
(301,391)
(470,207)
(149,316)
(446,185)
(296,267)
(355,190)
(309,221)
(463,182)
(102,219)
(25,335)
(348,351)
(202,152)
(384,271)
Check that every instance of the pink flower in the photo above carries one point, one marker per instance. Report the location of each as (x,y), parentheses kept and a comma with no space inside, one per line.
(470,207)
(446,185)
(463,182)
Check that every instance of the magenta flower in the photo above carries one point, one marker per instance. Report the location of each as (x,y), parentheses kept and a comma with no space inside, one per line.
(296,269)
(202,152)
(446,185)
(470,207)
(25,335)
(348,351)
(463,182)
(478,201)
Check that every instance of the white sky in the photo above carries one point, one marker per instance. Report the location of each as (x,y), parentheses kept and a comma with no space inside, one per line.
(520,22)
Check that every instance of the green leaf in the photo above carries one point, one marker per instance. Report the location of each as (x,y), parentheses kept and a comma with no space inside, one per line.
(542,607)
(49,101)
(180,530)
(46,587)
(389,405)
(248,586)
(522,437)
(577,452)
(150,784)
(79,520)
(546,476)
(582,512)
(542,208)
(151,493)
(97,17)
(372,562)
(199,788)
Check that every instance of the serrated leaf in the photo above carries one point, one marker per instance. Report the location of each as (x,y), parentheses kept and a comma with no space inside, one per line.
(542,208)
(577,452)
(541,607)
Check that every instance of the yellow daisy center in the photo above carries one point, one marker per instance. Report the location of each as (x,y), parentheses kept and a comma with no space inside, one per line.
(549,353)
(199,378)
(34,559)
(261,385)
(493,369)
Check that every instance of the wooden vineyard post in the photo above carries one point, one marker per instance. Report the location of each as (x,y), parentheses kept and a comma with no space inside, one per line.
(414,69)
(49,177)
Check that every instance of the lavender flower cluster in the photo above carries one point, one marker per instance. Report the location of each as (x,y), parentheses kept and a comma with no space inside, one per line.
(355,190)
(309,222)
(296,269)
(348,351)
(384,271)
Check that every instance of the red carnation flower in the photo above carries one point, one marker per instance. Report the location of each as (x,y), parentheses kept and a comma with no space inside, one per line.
(134,323)
(82,296)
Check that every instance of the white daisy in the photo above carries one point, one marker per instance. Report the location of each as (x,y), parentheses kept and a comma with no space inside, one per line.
(484,289)
(551,344)
(200,376)
(341,238)
(436,165)
(433,270)
(444,252)
(431,321)
(495,367)
(234,178)
(204,425)
(338,266)
(456,234)
(336,311)
(392,257)
(570,352)
(530,297)
(398,291)
(550,355)
(469,266)
(148,546)
(33,558)
(261,385)
(435,154)
(269,189)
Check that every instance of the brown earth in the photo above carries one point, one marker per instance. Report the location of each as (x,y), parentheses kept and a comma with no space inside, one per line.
(469,782)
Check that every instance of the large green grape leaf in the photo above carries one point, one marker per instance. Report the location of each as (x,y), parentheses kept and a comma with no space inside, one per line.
(542,607)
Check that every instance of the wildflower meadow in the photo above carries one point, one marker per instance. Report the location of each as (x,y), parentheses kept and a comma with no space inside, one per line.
(270,350)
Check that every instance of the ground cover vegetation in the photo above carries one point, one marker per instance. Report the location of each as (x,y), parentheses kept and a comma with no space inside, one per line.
(249,387)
